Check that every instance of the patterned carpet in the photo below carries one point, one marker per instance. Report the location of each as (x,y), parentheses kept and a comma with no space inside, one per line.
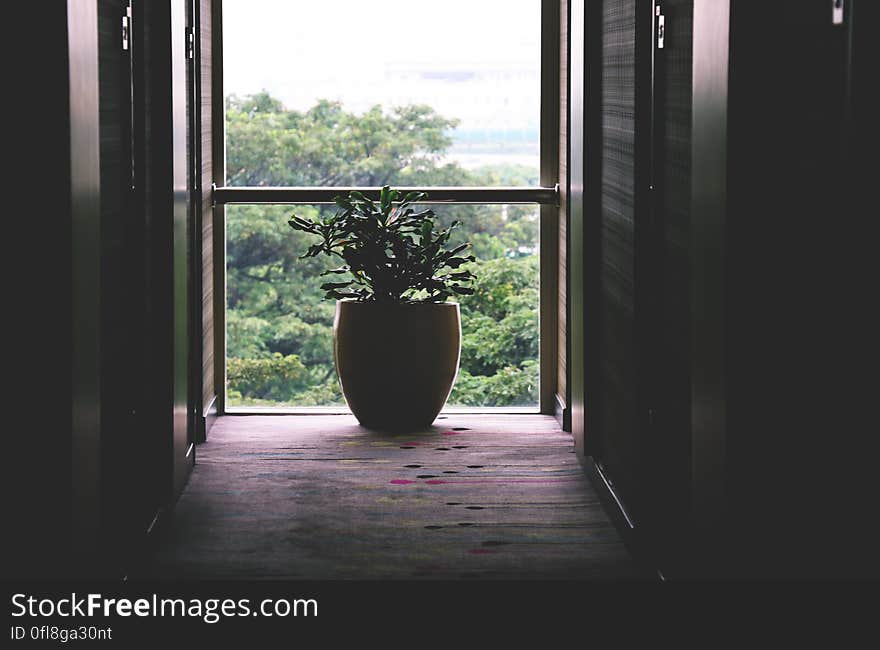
(318,497)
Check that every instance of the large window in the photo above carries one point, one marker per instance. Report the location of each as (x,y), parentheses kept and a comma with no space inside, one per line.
(319,97)
(386,91)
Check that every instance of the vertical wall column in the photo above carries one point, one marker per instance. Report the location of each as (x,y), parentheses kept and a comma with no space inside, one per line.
(572,238)
(632,129)
(552,80)
(561,395)
(205,31)
(711,27)
(85,174)
(218,171)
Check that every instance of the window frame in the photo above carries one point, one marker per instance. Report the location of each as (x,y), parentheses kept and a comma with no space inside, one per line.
(546,195)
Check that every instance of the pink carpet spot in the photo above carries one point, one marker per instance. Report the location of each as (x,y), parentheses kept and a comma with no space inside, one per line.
(401,481)
(450,433)
(435,482)
(480,551)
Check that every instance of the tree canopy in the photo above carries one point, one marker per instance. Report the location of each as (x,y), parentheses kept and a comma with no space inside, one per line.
(279,327)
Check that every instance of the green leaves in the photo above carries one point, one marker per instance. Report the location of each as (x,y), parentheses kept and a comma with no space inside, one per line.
(427,229)
(335,285)
(341,269)
(392,251)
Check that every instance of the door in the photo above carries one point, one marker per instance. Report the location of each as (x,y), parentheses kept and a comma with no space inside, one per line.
(619,125)
(183,418)
(161,100)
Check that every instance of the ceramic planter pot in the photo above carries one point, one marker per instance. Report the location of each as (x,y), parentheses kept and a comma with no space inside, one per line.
(396,363)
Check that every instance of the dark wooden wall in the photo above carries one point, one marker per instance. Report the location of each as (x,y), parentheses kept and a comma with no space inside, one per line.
(209,389)
(99,347)
(637,238)
(798,327)
(572,265)
(38,473)
(616,310)
(562,370)
(130,492)
(172,196)
(726,411)
(670,449)
(85,187)
(143,369)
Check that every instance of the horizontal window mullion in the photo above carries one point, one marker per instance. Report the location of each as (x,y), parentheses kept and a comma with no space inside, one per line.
(319,195)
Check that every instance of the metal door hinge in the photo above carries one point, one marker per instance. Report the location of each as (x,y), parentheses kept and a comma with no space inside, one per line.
(661,27)
(836,12)
(126,30)
(190,43)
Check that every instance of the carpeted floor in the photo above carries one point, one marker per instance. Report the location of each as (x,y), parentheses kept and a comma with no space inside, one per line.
(318,497)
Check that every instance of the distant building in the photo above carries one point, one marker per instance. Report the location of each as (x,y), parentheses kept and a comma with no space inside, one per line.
(486,98)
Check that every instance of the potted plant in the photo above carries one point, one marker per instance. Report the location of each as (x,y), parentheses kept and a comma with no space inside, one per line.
(397,341)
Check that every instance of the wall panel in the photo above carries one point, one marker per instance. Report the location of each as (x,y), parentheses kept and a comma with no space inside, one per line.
(209,390)
(617,348)
(671,445)
(562,255)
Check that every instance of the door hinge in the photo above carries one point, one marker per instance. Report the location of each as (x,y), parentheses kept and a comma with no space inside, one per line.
(661,27)
(126,30)
(190,43)
(836,12)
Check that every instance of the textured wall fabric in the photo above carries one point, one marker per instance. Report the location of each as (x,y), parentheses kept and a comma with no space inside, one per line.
(617,352)
(673,100)
(207,178)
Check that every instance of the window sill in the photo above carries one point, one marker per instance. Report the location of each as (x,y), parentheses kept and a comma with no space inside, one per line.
(342,410)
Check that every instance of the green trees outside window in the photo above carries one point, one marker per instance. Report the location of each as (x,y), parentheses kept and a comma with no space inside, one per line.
(279,327)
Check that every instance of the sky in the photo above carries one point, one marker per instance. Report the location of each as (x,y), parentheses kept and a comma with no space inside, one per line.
(378,51)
